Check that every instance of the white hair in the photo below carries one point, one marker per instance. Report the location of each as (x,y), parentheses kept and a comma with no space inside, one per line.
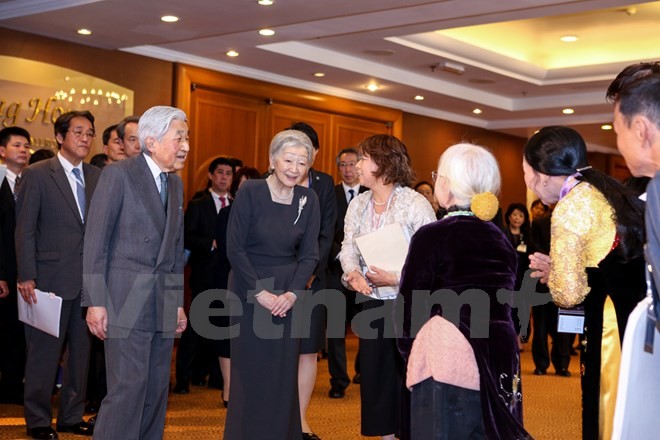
(469,169)
(291,138)
(155,122)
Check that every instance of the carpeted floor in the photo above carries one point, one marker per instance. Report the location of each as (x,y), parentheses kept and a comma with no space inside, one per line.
(551,408)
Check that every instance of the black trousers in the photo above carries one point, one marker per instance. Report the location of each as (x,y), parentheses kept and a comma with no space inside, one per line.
(545,324)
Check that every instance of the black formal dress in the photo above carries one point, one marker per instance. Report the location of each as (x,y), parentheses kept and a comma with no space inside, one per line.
(271,246)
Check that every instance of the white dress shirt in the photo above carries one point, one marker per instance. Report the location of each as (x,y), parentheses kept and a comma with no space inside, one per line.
(68,170)
(155,170)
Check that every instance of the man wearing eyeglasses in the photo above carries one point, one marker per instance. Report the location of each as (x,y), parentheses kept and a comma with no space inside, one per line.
(51,207)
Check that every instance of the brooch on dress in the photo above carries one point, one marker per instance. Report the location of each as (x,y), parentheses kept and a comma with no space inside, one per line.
(301,205)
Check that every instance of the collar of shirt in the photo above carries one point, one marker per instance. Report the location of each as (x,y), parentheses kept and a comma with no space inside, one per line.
(216,199)
(641,197)
(68,168)
(155,170)
(11,179)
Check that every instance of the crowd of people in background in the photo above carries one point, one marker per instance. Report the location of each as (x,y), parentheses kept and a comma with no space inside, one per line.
(111,238)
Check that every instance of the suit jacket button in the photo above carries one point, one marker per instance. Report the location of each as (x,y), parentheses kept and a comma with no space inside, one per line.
(146,239)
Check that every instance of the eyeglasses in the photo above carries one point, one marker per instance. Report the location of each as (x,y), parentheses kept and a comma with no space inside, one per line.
(79,133)
(434,176)
(347,164)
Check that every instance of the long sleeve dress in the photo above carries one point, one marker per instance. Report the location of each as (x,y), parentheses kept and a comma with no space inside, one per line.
(274,247)
(382,369)
(460,253)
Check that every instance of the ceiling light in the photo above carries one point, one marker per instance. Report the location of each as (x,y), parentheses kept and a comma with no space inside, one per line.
(606,127)
(568,111)
(569,38)
(169,18)
(265,2)
(372,87)
(232,53)
(477,111)
(419,98)
(319,74)
(266,32)
(84,31)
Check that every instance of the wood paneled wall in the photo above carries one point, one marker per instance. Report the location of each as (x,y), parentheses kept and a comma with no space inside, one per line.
(238,117)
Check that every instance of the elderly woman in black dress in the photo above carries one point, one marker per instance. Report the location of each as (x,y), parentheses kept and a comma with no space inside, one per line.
(272,245)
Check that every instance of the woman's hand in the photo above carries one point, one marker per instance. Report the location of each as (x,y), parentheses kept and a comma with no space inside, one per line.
(380,277)
(266,299)
(541,265)
(358,283)
(283,304)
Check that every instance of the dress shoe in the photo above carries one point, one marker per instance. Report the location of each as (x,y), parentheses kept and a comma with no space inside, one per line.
(564,372)
(310,436)
(225,403)
(80,428)
(357,378)
(42,433)
(181,389)
(539,372)
(336,393)
(91,422)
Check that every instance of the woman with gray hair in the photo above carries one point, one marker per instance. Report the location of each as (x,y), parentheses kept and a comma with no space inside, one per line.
(272,245)
(475,381)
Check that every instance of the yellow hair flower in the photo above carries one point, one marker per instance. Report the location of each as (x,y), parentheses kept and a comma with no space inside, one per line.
(485,205)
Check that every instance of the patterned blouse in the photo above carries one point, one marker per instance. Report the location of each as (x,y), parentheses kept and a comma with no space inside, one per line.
(583,232)
(406,206)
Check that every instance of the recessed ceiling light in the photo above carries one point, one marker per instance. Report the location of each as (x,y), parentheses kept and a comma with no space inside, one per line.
(319,74)
(477,111)
(569,38)
(568,111)
(419,98)
(169,18)
(84,31)
(265,2)
(232,53)
(606,127)
(266,32)
(372,87)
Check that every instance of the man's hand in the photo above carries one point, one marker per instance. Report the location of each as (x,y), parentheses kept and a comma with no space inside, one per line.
(4,288)
(182,321)
(97,321)
(26,289)
(380,277)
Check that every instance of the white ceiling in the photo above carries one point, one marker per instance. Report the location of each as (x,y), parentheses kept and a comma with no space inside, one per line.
(515,68)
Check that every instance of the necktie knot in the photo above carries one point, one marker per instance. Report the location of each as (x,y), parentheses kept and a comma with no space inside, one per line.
(351,195)
(163,189)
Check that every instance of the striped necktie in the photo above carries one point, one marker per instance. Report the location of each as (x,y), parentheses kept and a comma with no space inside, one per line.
(17,182)
(80,192)
(351,194)
(163,189)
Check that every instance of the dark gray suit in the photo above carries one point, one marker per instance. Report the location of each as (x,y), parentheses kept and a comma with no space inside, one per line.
(49,249)
(133,266)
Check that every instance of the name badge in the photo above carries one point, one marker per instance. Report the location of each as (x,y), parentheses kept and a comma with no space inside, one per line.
(571,320)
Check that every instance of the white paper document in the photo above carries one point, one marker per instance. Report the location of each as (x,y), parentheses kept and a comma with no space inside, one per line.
(44,315)
(386,248)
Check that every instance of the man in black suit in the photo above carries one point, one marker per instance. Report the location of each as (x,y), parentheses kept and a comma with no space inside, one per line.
(15,152)
(51,207)
(344,193)
(205,263)
(322,184)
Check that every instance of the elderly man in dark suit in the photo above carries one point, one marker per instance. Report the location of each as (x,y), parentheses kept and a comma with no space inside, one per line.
(15,152)
(133,268)
(344,192)
(51,209)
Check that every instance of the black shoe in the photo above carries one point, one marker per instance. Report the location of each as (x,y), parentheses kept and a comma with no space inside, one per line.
(80,428)
(181,389)
(42,433)
(310,436)
(336,393)
(225,403)
(198,382)
(563,372)
(357,378)
(91,422)
(539,372)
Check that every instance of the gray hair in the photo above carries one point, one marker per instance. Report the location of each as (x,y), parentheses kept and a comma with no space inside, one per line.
(155,122)
(291,138)
(349,150)
(470,170)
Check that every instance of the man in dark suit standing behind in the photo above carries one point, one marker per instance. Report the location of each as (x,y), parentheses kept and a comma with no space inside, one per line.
(133,268)
(344,192)
(50,225)
(15,151)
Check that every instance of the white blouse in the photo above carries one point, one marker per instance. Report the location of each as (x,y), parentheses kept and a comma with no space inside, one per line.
(406,206)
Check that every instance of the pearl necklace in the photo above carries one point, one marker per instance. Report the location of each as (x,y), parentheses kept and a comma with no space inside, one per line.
(461,212)
(272,191)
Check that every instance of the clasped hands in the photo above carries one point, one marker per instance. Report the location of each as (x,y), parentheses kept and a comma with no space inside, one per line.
(541,264)
(278,305)
(376,277)
(97,321)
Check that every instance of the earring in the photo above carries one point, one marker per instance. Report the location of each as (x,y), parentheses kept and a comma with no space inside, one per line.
(545,183)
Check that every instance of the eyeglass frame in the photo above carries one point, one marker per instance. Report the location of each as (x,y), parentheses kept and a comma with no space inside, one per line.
(91,134)
(434,176)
